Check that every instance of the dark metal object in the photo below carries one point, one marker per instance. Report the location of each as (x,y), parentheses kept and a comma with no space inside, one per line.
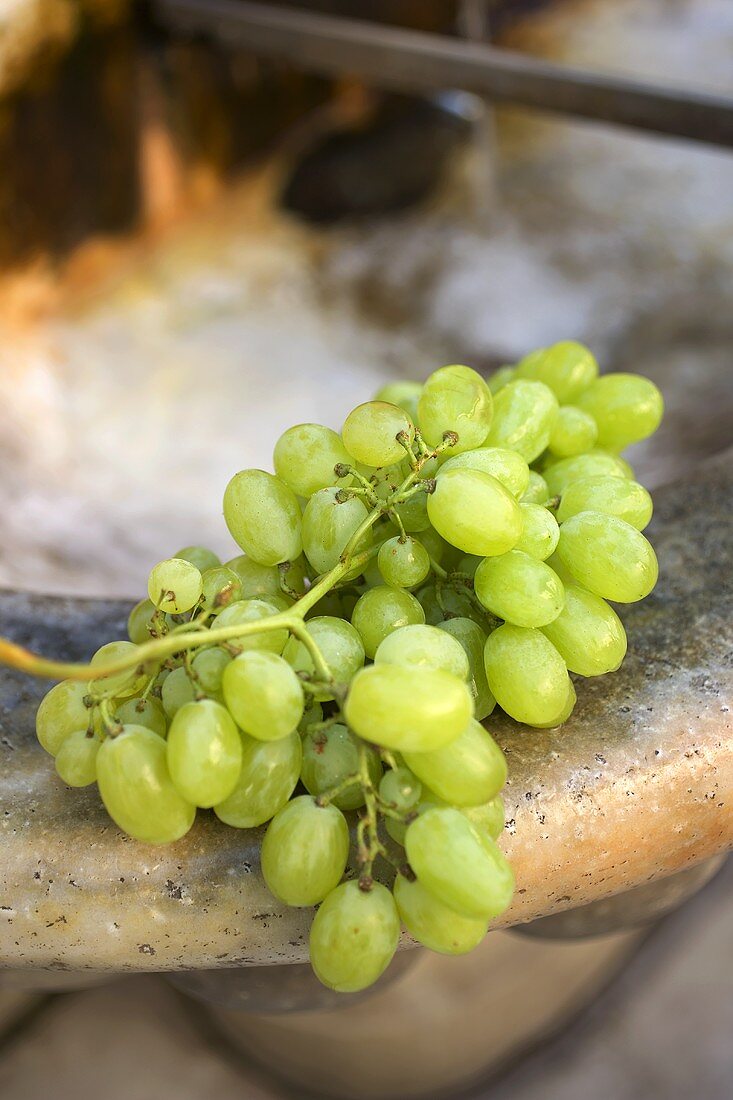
(415,61)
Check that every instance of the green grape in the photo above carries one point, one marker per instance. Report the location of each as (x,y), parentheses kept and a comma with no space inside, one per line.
(312,716)
(519,589)
(263,694)
(413,513)
(608,556)
(403,563)
(436,546)
(305,457)
(455,399)
(465,871)
(263,517)
(371,574)
(540,532)
(575,431)
(304,851)
(340,645)
(557,565)
(76,760)
(468,771)
(537,491)
(330,757)
(524,416)
(199,556)
(177,690)
(137,790)
(401,789)
(294,577)
(121,684)
(221,587)
(506,466)
(404,394)
(380,611)
(449,603)
(595,463)
(267,778)
(420,646)
(434,924)
(626,407)
(139,622)
(614,496)
(526,674)
(500,378)
(143,712)
(473,511)
(354,937)
(208,667)
(328,525)
(468,565)
(473,639)
(588,634)
(568,368)
(254,611)
(370,433)
(409,709)
(61,712)
(488,819)
(174,585)
(257,580)
(204,753)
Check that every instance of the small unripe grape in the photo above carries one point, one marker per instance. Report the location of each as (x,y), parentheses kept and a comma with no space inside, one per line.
(473,511)
(455,399)
(263,516)
(330,757)
(177,690)
(370,433)
(575,432)
(305,457)
(401,789)
(506,466)
(380,611)
(354,936)
(403,562)
(209,669)
(519,589)
(537,491)
(143,712)
(626,408)
(568,368)
(174,585)
(524,416)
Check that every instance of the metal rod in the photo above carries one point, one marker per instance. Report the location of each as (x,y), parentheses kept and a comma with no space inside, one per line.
(415,61)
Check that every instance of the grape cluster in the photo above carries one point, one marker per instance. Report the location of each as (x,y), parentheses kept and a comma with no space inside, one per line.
(453,548)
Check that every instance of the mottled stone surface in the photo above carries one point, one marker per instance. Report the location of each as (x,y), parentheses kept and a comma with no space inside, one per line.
(637,785)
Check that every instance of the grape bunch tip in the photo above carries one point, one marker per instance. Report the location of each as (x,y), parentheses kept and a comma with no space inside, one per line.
(453,549)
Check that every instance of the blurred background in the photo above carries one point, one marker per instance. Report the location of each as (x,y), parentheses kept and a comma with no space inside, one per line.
(199,248)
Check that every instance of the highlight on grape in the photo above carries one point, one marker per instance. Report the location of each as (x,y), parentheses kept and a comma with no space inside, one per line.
(453,549)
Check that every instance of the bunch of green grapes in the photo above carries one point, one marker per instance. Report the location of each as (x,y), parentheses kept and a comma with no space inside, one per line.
(455,547)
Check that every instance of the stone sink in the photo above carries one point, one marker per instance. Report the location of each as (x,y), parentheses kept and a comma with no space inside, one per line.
(635,788)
